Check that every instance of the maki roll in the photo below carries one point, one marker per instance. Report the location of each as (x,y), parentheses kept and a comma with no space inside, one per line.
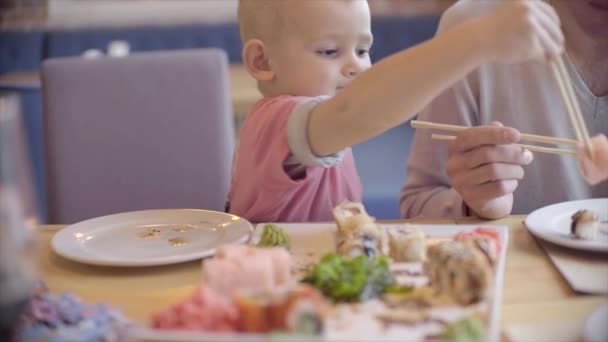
(407,244)
(585,225)
(460,271)
(301,309)
(352,220)
(358,233)
(486,240)
(252,308)
(355,246)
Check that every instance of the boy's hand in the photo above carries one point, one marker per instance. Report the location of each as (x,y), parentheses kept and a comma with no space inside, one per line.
(521,30)
(485,168)
(595,168)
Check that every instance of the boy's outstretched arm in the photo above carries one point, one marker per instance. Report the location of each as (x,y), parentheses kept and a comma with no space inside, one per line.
(398,87)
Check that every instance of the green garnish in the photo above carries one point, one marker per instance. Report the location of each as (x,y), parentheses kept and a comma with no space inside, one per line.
(467,329)
(346,279)
(399,289)
(272,236)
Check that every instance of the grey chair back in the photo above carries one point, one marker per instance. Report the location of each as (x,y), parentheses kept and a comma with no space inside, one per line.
(148,131)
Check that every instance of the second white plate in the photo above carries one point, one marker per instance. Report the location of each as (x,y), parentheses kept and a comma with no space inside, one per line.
(150,237)
(552,223)
(595,328)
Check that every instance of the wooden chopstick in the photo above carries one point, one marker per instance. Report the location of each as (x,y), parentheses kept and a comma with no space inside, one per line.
(528,147)
(570,101)
(567,102)
(524,137)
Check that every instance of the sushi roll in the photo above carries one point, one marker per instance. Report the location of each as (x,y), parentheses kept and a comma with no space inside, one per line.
(301,309)
(585,225)
(358,233)
(407,244)
(252,307)
(358,245)
(486,240)
(488,247)
(352,220)
(459,271)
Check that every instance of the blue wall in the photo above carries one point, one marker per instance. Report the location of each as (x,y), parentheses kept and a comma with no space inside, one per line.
(24,50)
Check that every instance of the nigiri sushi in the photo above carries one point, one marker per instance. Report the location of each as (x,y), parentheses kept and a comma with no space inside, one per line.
(585,225)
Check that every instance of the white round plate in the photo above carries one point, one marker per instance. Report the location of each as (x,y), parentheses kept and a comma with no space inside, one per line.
(552,223)
(596,329)
(150,237)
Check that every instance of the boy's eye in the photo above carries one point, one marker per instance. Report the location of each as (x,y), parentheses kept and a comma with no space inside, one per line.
(327,52)
(362,52)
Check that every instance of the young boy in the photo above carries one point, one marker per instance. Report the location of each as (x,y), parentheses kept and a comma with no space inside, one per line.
(321,95)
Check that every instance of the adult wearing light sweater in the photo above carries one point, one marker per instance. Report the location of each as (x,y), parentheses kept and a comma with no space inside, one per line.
(479,173)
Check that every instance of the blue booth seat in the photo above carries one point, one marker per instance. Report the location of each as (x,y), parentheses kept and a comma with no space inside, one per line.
(21,50)
(392,34)
(381,165)
(222,36)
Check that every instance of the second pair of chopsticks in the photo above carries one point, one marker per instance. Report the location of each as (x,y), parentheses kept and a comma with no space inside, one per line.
(572,106)
(524,137)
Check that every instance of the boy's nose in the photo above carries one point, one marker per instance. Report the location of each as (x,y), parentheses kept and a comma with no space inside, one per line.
(352,68)
(352,72)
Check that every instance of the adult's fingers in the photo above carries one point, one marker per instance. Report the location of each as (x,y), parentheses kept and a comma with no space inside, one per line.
(488,173)
(486,154)
(491,190)
(459,163)
(483,135)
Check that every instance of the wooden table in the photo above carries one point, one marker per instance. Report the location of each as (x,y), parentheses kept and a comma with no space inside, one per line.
(537,302)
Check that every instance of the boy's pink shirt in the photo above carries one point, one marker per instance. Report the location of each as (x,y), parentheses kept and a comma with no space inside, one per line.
(261,191)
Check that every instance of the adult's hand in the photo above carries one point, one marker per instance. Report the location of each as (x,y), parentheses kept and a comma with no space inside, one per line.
(485,168)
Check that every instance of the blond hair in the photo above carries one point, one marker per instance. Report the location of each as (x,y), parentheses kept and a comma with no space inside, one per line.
(259,19)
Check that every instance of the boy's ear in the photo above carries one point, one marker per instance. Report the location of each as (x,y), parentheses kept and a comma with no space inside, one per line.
(256,60)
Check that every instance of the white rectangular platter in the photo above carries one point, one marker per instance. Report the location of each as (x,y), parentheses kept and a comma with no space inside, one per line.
(309,242)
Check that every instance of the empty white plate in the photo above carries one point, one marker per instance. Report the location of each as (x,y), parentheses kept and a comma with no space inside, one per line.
(552,223)
(150,237)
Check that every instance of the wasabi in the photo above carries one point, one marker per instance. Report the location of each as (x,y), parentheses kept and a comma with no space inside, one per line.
(470,329)
(273,236)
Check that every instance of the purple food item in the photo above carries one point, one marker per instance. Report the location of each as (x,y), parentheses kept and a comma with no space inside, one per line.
(64,317)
